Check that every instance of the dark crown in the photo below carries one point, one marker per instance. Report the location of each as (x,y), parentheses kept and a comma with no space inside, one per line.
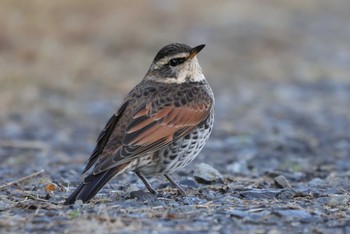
(172,49)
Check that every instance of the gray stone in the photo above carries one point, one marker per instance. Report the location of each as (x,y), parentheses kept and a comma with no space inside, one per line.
(316,182)
(204,173)
(282,182)
(336,200)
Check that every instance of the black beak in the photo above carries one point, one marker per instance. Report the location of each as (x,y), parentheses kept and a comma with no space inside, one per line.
(195,51)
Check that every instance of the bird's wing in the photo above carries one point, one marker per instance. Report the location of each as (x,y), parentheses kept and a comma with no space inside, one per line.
(104,136)
(150,130)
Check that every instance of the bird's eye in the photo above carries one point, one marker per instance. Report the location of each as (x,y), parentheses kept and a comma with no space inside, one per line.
(176,61)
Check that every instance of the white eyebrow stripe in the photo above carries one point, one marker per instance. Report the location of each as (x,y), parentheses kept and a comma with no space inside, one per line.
(165,60)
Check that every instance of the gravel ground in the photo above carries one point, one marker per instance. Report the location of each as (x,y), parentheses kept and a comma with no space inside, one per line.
(281,140)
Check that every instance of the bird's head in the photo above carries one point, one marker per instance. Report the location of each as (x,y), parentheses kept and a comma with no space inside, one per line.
(176,63)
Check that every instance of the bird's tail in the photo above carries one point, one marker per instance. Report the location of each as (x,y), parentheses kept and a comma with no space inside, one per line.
(92,184)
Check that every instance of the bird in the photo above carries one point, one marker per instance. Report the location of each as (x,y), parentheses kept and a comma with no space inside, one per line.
(162,124)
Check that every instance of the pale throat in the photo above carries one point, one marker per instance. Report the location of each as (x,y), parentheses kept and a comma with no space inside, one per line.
(193,73)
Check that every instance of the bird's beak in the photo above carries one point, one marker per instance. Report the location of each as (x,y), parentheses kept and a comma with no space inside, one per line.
(195,51)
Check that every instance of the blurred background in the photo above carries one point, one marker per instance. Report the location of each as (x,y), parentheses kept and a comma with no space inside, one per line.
(279,69)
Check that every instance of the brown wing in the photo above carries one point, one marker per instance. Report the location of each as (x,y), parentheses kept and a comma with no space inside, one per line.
(149,131)
(104,137)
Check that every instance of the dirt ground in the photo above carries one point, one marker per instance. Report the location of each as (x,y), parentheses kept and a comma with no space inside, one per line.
(280,72)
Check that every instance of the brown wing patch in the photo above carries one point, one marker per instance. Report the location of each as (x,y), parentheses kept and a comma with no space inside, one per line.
(154,134)
(142,111)
(149,131)
(163,124)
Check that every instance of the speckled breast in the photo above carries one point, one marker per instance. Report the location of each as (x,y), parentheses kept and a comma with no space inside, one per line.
(181,152)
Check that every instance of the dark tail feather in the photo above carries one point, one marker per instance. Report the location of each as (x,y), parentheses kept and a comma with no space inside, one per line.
(91,185)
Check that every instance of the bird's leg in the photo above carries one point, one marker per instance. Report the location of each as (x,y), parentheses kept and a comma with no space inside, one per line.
(144,180)
(171,179)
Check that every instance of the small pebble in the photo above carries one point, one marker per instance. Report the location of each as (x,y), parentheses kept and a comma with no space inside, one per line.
(238,167)
(259,194)
(132,187)
(336,200)
(206,174)
(316,182)
(143,196)
(291,214)
(281,182)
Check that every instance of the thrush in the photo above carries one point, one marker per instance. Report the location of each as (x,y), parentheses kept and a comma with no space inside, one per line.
(162,124)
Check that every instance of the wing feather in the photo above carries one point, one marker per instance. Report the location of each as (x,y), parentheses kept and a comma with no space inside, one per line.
(104,137)
(149,130)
